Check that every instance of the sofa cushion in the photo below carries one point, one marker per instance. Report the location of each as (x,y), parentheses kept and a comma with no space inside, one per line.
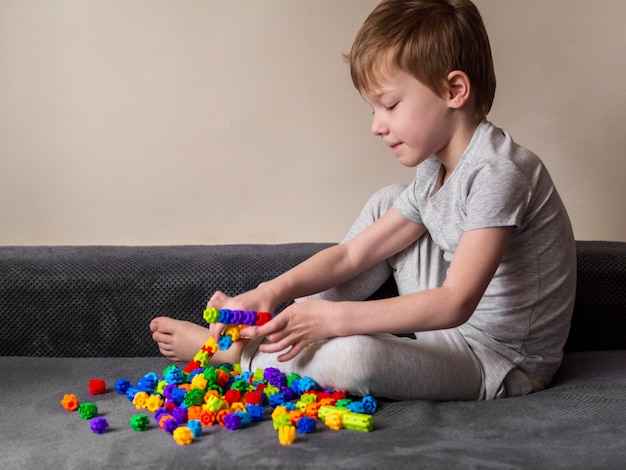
(578,423)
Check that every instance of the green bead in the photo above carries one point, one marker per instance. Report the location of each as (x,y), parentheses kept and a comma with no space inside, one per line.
(139,422)
(87,410)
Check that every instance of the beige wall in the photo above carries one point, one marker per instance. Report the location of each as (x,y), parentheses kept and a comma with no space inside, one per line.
(178,122)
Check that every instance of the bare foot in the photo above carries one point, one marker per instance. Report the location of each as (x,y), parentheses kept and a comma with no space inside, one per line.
(180,340)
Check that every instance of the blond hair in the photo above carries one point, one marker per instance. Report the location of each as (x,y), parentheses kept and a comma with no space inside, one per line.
(427,39)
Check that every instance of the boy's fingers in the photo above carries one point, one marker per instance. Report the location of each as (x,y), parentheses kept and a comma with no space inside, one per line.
(216,330)
(250,332)
(293,352)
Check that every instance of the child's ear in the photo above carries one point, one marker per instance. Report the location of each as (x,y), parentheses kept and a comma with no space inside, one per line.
(458,89)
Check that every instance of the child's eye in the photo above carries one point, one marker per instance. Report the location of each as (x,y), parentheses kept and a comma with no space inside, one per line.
(391,108)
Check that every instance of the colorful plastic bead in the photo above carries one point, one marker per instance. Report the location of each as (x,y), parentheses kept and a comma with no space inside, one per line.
(358,421)
(333,420)
(232,421)
(180,414)
(87,410)
(174,376)
(262,318)
(207,418)
(225,343)
(154,402)
(122,385)
(211,315)
(369,404)
(140,400)
(256,412)
(194,396)
(70,402)
(281,421)
(99,425)
(306,425)
(196,427)
(183,435)
(287,435)
(139,422)
(97,386)
(168,424)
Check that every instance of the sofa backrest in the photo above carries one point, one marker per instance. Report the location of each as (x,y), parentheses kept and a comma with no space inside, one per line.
(98,301)
(599,320)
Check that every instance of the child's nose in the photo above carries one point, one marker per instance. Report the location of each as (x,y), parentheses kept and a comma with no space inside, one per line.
(378,126)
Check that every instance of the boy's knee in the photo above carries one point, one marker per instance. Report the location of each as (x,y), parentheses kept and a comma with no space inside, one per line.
(360,354)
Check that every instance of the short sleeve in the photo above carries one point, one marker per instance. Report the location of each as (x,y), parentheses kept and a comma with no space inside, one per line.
(497,195)
(411,202)
(407,204)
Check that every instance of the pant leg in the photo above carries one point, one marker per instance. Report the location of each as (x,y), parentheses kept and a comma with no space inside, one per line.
(437,365)
(368,282)
(420,266)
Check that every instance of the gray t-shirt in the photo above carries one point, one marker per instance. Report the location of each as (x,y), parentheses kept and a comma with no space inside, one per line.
(524,315)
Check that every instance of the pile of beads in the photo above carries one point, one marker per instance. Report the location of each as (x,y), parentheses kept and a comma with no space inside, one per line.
(184,403)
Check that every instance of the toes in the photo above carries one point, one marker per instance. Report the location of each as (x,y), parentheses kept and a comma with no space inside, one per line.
(156,323)
(163,324)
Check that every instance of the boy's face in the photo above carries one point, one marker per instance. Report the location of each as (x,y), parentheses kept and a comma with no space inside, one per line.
(412,119)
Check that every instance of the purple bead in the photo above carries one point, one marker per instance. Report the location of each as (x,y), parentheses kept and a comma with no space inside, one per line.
(274,376)
(167,391)
(249,318)
(236,317)
(170,425)
(288,393)
(99,425)
(180,415)
(158,414)
(232,421)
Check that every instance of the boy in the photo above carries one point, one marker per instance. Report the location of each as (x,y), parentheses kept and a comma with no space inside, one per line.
(480,244)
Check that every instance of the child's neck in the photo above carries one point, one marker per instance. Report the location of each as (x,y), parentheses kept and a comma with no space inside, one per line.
(460,139)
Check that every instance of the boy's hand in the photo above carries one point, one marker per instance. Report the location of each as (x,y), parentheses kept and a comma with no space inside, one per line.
(251,300)
(295,327)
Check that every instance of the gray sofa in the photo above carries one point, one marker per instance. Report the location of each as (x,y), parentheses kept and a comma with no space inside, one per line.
(69,314)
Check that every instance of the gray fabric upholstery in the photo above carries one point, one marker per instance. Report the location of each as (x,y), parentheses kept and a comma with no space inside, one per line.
(97,301)
(579,423)
(73,313)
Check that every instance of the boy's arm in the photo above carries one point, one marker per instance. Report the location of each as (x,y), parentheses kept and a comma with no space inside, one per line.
(340,263)
(333,266)
(477,257)
(475,262)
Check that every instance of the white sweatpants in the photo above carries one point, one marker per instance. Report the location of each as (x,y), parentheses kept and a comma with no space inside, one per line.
(437,365)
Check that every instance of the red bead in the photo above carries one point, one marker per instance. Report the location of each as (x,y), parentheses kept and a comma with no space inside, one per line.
(97,386)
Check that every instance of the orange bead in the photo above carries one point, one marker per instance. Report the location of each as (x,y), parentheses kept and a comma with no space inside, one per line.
(70,402)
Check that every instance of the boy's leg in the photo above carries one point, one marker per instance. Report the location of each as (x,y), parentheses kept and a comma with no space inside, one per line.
(421,266)
(438,365)
(368,282)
